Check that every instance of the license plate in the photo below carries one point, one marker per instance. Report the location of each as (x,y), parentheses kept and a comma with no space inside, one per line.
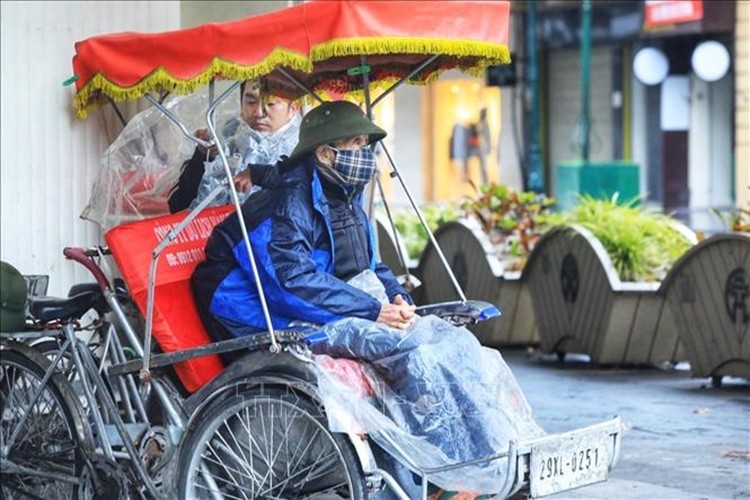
(568,462)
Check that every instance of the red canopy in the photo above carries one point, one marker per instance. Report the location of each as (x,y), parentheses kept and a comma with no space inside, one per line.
(320,42)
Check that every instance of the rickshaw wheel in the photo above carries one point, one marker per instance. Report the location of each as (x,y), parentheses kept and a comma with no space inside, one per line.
(267,442)
(48,442)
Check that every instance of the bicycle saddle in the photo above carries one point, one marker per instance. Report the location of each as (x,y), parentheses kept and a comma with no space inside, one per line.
(46,309)
(121,290)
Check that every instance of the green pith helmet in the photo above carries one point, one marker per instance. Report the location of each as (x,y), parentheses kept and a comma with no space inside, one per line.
(12,299)
(330,122)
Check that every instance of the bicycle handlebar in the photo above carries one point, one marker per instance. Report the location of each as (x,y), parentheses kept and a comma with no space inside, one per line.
(96,251)
(84,257)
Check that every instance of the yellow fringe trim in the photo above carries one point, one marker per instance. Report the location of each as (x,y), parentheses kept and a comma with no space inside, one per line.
(381,84)
(489,53)
(469,56)
(161,80)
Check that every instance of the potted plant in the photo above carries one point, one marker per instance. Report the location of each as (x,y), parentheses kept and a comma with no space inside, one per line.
(487,249)
(708,292)
(594,279)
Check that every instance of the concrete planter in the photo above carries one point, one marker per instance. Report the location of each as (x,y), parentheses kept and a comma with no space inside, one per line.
(708,292)
(476,263)
(582,306)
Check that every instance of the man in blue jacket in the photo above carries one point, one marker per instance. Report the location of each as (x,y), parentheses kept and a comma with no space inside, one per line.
(309,235)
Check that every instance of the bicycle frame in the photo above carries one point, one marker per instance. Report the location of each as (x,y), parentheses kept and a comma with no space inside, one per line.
(118,431)
(91,377)
(84,258)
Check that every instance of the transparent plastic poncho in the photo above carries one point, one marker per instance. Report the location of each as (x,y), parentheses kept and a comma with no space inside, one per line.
(140,168)
(433,390)
(245,146)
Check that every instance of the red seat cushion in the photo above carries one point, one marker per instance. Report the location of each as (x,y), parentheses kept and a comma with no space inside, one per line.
(349,372)
(176,324)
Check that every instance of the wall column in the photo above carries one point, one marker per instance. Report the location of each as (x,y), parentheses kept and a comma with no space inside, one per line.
(742,105)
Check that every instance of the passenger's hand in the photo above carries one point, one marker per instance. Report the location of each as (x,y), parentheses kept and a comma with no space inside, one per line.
(399,315)
(204,135)
(242,181)
(409,310)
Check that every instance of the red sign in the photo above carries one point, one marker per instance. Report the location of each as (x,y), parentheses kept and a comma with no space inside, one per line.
(666,12)
(176,323)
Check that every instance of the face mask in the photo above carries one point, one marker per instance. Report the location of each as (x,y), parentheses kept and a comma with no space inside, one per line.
(355,167)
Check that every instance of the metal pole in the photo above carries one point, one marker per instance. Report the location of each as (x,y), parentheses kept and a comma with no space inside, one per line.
(401,81)
(211,122)
(426,226)
(535,182)
(585,79)
(397,240)
(185,132)
(299,84)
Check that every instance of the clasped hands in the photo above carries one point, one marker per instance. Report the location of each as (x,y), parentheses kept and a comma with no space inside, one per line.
(399,314)
(242,181)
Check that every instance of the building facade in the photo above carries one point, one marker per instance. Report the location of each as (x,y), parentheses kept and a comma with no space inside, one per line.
(691,137)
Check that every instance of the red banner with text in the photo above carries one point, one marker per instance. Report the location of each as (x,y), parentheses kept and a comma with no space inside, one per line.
(667,12)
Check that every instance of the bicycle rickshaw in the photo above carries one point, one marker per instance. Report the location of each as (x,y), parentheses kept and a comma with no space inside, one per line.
(256,428)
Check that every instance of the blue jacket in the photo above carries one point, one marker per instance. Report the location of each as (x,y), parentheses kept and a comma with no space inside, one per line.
(291,235)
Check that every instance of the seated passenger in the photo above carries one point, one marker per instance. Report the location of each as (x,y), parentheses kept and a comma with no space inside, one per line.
(312,245)
(266,129)
(309,235)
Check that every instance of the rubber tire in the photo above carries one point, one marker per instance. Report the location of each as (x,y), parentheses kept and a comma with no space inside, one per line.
(226,407)
(58,390)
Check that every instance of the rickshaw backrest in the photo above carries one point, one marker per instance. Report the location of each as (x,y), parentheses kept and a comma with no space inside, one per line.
(176,324)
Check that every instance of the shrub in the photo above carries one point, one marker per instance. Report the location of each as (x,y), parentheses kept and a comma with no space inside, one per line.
(512,219)
(737,220)
(411,230)
(643,245)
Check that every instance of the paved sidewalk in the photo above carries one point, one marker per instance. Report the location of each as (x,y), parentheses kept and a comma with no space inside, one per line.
(686,440)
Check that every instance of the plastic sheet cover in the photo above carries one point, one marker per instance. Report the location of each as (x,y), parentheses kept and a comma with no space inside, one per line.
(139,169)
(244,146)
(433,389)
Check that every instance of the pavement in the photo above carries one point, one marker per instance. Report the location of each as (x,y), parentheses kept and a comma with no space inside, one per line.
(685,439)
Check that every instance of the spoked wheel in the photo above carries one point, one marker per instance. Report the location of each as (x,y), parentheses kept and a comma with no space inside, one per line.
(268,443)
(40,456)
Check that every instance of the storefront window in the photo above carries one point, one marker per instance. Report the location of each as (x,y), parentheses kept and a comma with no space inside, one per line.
(461,134)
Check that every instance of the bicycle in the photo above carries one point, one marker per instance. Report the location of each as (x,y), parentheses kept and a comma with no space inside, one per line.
(110,446)
(97,330)
(38,404)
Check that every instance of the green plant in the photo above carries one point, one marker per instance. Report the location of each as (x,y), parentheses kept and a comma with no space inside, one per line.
(737,220)
(515,219)
(411,230)
(642,245)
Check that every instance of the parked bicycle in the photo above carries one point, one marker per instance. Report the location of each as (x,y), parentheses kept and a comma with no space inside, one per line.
(96,418)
